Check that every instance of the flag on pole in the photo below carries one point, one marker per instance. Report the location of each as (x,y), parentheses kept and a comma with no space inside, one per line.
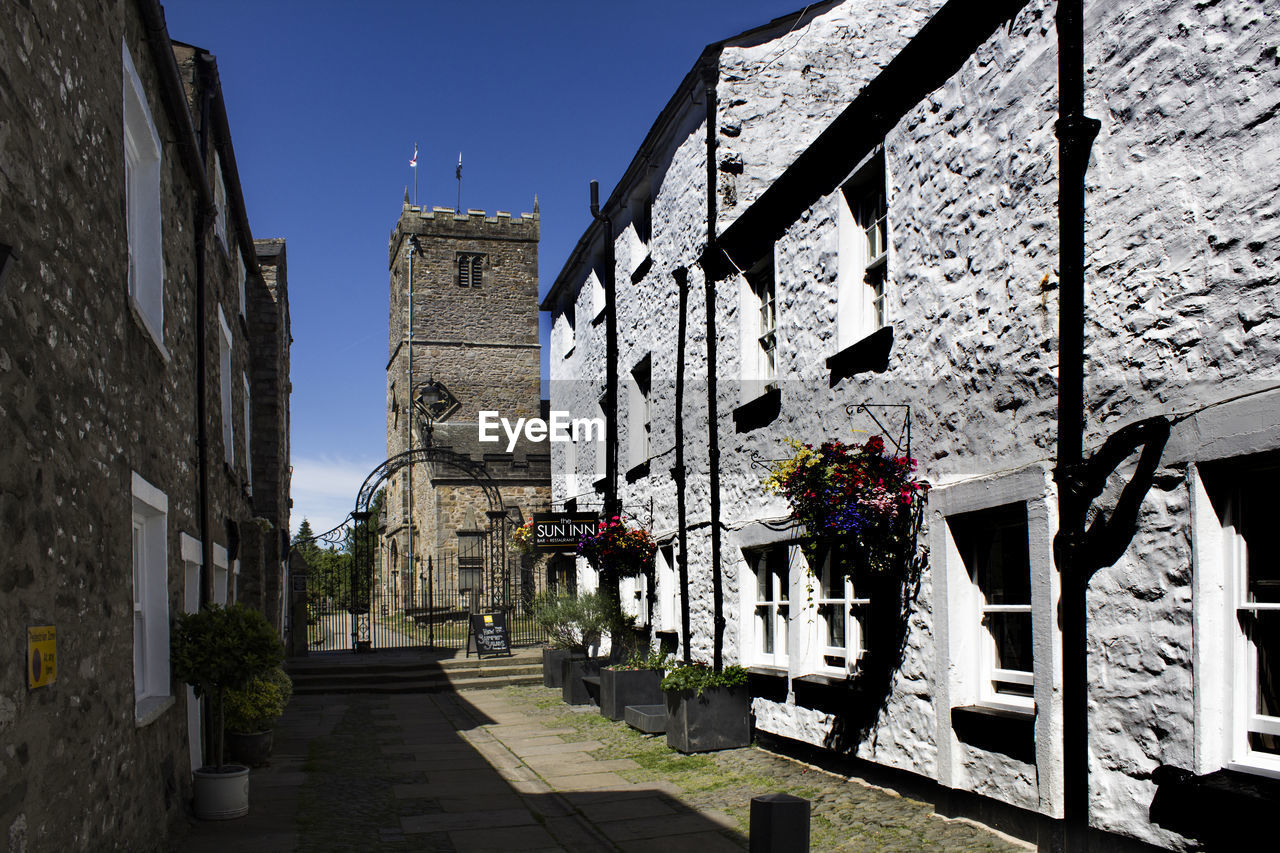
(413,164)
(459,165)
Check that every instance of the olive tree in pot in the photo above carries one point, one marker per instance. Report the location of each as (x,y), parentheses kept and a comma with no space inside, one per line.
(218,649)
(574,626)
(707,710)
(252,712)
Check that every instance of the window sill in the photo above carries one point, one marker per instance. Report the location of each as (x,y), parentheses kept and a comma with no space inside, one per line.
(767,671)
(638,472)
(1001,730)
(820,679)
(149,709)
(760,412)
(869,354)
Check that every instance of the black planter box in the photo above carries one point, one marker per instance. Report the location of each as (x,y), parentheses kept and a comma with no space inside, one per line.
(572,689)
(622,687)
(552,676)
(718,719)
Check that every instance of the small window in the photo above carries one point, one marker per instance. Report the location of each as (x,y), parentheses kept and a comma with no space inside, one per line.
(219,201)
(668,582)
(150,598)
(224,379)
(771,610)
(993,545)
(142,206)
(470,561)
(470,269)
(759,329)
(1253,553)
(248,459)
(864,253)
(841,621)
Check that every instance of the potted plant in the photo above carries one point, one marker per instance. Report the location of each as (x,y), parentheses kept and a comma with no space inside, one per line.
(252,712)
(547,612)
(633,682)
(858,501)
(574,625)
(218,649)
(707,710)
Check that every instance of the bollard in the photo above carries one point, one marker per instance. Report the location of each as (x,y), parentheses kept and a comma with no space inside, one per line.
(779,824)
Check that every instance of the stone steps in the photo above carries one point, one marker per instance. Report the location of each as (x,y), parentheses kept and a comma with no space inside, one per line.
(402,674)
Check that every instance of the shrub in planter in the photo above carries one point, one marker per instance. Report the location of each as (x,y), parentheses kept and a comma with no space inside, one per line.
(573,625)
(707,710)
(252,712)
(635,682)
(215,650)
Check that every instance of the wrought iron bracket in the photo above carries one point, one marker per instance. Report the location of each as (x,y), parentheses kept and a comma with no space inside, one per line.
(902,444)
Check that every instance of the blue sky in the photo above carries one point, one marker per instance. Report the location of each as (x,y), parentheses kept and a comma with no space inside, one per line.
(326,100)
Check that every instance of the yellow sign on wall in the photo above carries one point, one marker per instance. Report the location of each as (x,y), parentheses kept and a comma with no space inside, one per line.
(42,656)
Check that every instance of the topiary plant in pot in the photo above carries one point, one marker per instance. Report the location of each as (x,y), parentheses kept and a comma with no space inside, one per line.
(215,650)
(252,712)
(706,709)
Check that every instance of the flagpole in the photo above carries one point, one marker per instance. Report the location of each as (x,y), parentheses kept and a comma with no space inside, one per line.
(459,182)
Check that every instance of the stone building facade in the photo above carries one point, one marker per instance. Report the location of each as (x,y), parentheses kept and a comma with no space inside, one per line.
(142,431)
(468,324)
(881,181)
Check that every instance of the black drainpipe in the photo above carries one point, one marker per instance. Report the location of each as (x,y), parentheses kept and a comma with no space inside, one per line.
(612,507)
(1075,137)
(678,472)
(202,430)
(711,266)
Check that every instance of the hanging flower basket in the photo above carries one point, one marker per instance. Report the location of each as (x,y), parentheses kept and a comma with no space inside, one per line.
(628,551)
(522,538)
(858,501)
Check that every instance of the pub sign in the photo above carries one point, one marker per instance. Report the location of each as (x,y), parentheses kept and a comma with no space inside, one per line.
(560,531)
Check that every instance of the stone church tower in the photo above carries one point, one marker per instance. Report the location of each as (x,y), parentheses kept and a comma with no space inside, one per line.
(467,327)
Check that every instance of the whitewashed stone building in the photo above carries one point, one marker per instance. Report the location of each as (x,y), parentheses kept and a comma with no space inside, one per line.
(881,180)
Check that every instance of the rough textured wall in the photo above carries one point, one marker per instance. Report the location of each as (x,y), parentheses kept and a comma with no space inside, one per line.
(86,399)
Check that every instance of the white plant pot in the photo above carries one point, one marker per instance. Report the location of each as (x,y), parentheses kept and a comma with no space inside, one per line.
(222,793)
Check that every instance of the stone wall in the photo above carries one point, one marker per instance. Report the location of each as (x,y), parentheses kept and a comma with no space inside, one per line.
(1181,256)
(88,400)
(481,344)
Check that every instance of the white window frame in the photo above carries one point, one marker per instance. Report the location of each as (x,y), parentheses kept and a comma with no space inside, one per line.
(248,458)
(864,247)
(667,578)
(983,658)
(777,605)
(142,159)
(191,557)
(242,281)
(219,202)
(850,606)
(224,383)
(150,551)
(634,595)
(758,319)
(1226,658)
(221,576)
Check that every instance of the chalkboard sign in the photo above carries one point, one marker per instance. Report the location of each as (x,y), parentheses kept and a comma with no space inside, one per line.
(490,633)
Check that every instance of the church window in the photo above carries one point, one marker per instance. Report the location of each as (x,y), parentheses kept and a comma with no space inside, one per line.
(470,269)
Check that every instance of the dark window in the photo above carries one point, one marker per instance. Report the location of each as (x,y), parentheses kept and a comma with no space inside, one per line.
(470,269)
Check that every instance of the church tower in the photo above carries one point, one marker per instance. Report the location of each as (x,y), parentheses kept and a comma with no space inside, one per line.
(463,323)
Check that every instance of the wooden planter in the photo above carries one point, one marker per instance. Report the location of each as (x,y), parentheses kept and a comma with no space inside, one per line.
(718,719)
(622,687)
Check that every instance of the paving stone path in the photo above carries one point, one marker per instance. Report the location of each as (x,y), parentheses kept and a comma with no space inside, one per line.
(515,769)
